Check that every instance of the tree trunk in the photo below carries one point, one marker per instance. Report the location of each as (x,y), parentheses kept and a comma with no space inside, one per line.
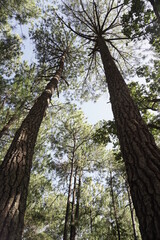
(132,214)
(91,220)
(140,153)
(16,167)
(73,228)
(78,198)
(68,203)
(114,207)
(77,204)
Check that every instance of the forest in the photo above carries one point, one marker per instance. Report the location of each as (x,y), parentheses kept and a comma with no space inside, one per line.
(61,176)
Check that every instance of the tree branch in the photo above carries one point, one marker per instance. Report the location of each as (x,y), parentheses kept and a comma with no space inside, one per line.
(84,22)
(88,37)
(97,15)
(107,14)
(121,6)
(93,24)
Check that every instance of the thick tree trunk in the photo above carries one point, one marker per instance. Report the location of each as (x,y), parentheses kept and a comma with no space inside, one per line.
(140,153)
(16,167)
(65,234)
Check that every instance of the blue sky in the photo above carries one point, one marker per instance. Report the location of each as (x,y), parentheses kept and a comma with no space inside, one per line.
(99,110)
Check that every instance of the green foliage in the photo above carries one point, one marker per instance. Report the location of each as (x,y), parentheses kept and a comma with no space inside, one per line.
(13,12)
(147,99)
(10,53)
(134,21)
(101,135)
(20,10)
(139,22)
(71,137)
(147,95)
(51,39)
(105,132)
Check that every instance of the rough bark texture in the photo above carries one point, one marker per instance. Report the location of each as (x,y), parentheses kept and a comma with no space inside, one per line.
(140,153)
(16,167)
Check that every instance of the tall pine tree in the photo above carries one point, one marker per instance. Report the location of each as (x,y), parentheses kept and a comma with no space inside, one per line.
(139,151)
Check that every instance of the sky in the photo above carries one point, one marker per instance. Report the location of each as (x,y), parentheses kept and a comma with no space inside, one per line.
(99,110)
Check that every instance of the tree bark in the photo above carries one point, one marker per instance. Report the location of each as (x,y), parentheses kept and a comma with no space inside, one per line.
(68,203)
(139,151)
(16,166)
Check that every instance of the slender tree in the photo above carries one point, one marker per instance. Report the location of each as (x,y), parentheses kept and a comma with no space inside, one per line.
(78,196)
(16,167)
(139,151)
(68,201)
(114,205)
(73,223)
(46,209)
(72,139)
(132,212)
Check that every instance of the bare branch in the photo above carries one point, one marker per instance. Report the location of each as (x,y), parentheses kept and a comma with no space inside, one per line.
(89,68)
(117,50)
(107,14)
(124,59)
(65,80)
(84,22)
(97,15)
(93,24)
(89,37)
(153,126)
(110,26)
(155,100)
(118,38)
